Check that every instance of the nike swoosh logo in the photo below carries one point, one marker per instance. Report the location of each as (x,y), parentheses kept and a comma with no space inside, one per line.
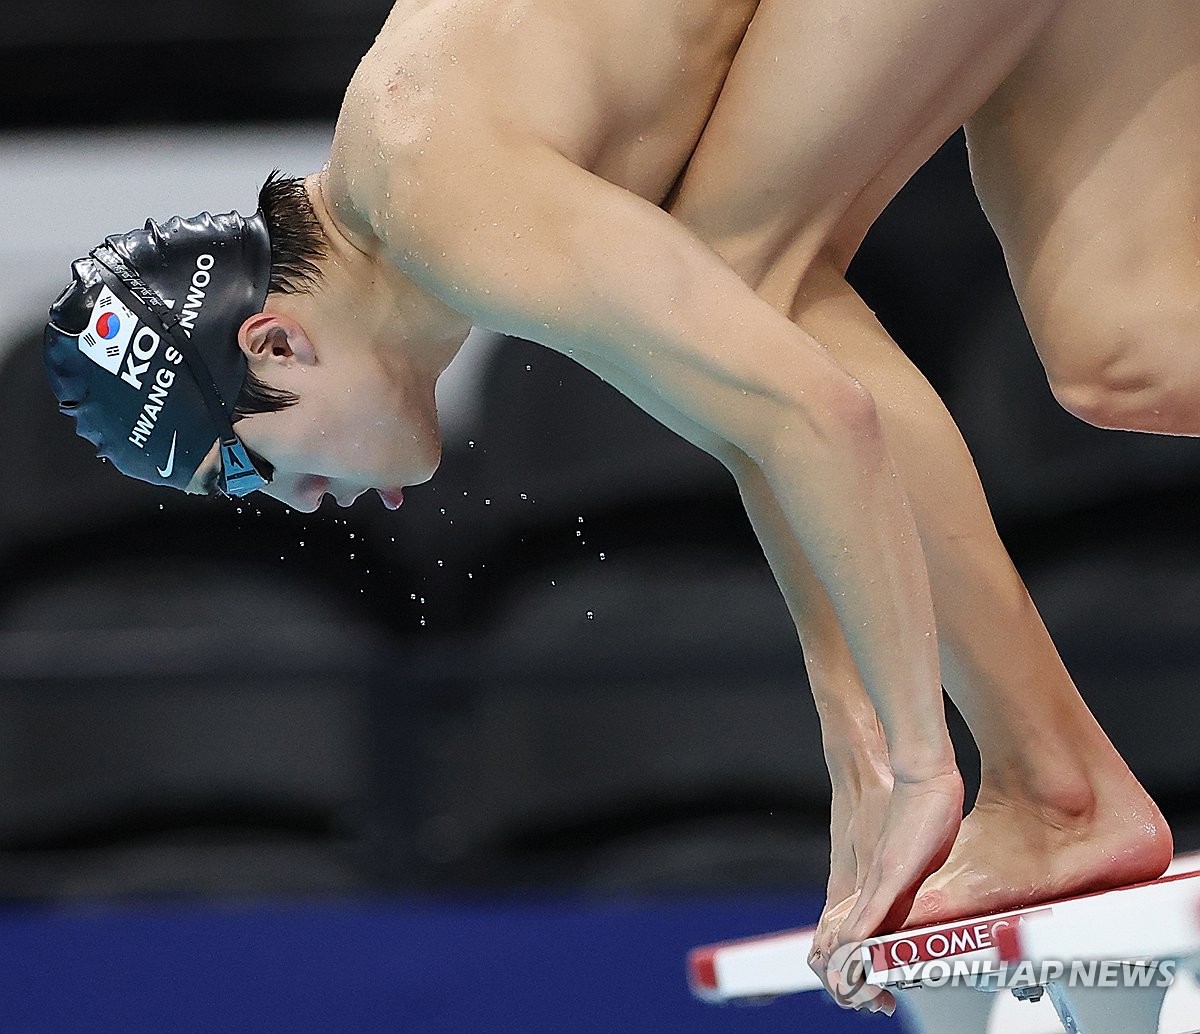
(165,472)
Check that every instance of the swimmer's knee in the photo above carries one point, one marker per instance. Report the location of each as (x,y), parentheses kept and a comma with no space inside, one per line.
(1122,360)
(1139,385)
(1152,408)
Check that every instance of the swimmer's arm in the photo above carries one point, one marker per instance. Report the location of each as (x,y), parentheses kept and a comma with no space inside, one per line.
(524,242)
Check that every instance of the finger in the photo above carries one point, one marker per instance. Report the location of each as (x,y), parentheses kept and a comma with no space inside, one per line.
(883,905)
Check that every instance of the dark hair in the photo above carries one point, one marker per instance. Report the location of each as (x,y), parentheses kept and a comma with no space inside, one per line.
(297,245)
(297,240)
(257,396)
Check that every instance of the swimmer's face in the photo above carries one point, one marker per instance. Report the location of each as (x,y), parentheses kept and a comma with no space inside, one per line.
(366,416)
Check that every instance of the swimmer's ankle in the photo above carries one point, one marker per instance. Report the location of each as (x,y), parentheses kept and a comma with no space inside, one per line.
(1063,762)
(1066,802)
(1066,796)
(1068,785)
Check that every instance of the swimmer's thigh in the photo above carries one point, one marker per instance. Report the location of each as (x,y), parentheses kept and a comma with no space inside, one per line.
(828,108)
(1087,161)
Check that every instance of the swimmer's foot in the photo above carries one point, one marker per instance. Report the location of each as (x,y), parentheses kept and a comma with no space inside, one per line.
(1019,849)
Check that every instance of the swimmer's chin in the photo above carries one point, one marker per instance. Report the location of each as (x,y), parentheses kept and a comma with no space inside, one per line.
(303,507)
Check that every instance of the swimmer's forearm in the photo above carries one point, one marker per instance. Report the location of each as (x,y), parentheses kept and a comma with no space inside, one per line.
(858,534)
(850,728)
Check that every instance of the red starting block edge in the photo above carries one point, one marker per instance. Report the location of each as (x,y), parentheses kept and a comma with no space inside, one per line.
(1108,924)
(753,967)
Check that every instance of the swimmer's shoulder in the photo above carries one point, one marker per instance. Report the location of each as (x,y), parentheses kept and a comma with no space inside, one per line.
(443,74)
(425,153)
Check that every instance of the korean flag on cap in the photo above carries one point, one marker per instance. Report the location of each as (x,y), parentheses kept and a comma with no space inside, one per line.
(109,332)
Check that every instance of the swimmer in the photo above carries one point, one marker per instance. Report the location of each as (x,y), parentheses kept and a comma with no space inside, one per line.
(508,166)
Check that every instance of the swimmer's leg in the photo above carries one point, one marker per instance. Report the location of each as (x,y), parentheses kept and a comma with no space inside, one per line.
(1058,811)
(1087,161)
(1057,804)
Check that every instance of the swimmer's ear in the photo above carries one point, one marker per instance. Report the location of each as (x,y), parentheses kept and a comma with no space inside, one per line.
(275,337)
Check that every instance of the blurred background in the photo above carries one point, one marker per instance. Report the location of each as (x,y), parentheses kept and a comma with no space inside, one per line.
(322,771)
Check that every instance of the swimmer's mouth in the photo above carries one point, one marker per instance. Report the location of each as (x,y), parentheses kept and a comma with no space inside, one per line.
(392,497)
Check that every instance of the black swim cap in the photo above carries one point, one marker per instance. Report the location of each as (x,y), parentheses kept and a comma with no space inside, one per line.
(141,348)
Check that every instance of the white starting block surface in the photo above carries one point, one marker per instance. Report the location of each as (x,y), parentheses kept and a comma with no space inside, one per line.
(1128,958)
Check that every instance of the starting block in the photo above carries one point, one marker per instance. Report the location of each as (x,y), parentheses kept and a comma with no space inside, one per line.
(1122,961)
